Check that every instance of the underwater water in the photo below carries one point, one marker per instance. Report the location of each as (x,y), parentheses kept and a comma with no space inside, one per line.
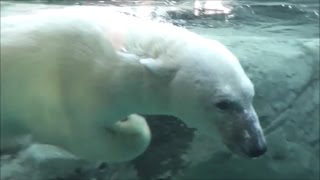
(277,43)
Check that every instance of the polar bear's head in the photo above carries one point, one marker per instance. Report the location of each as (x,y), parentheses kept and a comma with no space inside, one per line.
(210,91)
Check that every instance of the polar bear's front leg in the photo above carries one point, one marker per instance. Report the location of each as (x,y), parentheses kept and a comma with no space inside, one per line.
(128,138)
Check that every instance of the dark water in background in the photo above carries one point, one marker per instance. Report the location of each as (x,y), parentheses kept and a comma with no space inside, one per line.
(300,17)
(266,30)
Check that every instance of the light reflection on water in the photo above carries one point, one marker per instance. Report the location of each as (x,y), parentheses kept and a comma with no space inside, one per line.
(211,7)
(295,19)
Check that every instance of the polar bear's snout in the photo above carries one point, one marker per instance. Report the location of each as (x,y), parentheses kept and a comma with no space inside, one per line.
(255,143)
(244,135)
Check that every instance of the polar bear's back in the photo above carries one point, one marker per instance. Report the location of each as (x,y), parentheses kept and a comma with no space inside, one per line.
(45,61)
(55,69)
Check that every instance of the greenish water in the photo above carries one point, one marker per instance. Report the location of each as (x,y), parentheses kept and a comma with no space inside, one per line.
(277,42)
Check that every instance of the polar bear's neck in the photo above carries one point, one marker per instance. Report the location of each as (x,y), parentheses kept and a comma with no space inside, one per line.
(136,40)
(137,92)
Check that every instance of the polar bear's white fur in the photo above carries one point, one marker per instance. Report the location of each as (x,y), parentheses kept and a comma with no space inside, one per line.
(68,76)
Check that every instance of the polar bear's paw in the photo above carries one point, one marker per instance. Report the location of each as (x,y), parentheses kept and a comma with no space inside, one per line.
(130,137)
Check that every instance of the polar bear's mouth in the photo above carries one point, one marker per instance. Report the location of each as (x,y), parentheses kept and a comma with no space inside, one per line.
(246,144)
(246,151)
(238,150)
(243,135)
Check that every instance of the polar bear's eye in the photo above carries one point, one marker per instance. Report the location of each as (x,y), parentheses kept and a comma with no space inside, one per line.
(224,105)
(228,105)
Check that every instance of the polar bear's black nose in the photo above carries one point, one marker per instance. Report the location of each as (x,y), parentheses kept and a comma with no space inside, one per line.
(258,151)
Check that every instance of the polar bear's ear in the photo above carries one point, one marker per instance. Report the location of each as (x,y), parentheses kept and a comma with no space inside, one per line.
(158,68)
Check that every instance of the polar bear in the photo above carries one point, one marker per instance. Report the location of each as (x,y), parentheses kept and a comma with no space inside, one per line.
(70,77)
